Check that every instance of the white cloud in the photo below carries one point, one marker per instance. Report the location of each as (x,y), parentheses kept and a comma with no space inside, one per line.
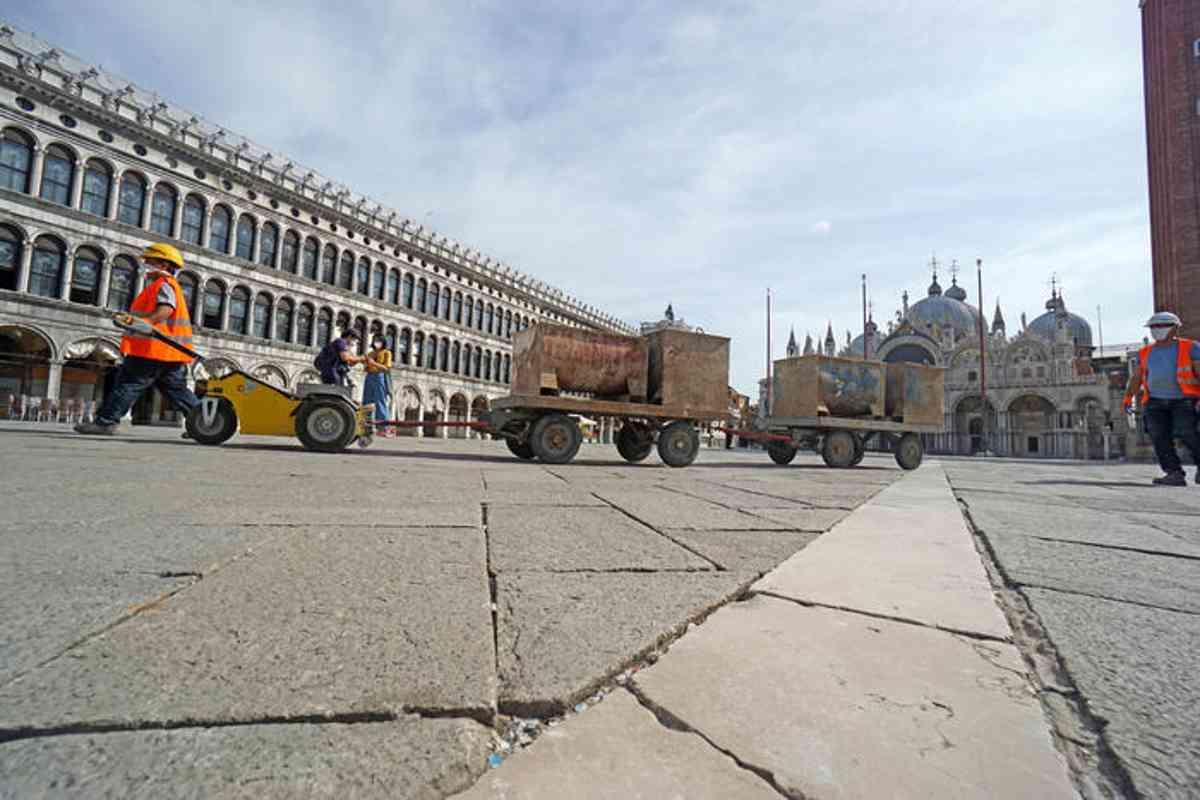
(823,227)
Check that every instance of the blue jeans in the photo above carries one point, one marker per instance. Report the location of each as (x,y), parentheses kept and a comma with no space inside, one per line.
(135,376)
(1169,420)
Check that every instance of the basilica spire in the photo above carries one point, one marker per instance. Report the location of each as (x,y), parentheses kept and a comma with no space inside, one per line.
(793,349)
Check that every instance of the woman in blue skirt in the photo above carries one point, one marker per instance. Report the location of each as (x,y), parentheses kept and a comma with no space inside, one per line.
(378,387)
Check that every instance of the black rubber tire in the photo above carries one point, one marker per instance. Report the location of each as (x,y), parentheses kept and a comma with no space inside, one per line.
(634,443)
(220,425)
(909,451)
(860,451)
(838,449)
(555,438)
(678,443)
(326,425)
(781,453)
(521,451)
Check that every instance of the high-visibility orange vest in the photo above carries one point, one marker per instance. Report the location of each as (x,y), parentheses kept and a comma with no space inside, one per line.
(178,326)
(1185,371)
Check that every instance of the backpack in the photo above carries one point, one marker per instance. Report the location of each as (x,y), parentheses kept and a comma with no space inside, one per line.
(326,359)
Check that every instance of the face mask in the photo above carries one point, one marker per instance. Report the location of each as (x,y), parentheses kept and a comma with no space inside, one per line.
(379,345)
(1160,334)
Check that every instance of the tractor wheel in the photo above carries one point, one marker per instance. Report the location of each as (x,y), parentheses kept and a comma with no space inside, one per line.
(781,453)
(860,450)
(838,449)
(555,438)
(326,425)
(634,443)
(521,451)
(909,451)
(213,421)
(678,443)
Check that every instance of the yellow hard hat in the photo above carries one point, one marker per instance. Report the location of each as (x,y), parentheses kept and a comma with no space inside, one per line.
(164,252)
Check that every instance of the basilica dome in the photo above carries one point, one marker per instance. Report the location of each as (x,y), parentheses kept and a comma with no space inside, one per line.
(946,311)
(1045,326)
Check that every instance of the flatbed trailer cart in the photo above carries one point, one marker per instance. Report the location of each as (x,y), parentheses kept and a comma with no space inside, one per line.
(841,441)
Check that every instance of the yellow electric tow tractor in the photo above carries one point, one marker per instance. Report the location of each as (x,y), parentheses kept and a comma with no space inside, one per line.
(324,418)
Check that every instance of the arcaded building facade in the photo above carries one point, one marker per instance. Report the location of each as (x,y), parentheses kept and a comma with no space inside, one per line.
(278,258)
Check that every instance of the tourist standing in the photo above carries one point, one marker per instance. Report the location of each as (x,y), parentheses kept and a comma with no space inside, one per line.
(378,387)
(1167,386)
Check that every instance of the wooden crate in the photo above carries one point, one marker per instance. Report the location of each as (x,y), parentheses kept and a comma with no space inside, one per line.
(549,359)
(810,386)
(916,394)
(688,371)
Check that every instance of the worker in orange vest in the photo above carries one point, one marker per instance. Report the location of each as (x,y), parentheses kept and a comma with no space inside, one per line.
(149,362)
(1167,386)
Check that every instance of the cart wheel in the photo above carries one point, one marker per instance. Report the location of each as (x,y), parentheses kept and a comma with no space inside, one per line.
(555,438)
(634,442)
(860,450)
(521,451)
(365,441)
(213,421)
(909,451)
(678,443)
(326,425)
(781,453)
(838,449)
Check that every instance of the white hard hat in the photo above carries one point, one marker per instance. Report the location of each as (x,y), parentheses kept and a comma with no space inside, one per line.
(1162,319)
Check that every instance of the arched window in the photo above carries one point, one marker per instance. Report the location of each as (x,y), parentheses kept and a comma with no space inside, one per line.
(262,316)
(343,322)
(324,327)
(291,252)
(431,353)
(444,355)
(405,345)
(470,311)
(188,283)
(507,324)
(376,330)
(377,286)
(283,321)
(487,365)
(192,229)
(304,325)
(245,237)
(329,265)
(132,199)
(309,265)
(466,360)
(497,360)
(16,157)
(49,257)
(479,315)
(477,362)
(489,317)
(58,168)
(435,294)
(360,325)
(97,184)
(364,276)
(418,348)
(446,303)
(458,308)
(85,278)
(422,291)
(393,287)
(507,368)
(122,277)
(218,229)
(11,251)
(408,290)
(162,210)
(214,304)
(269,240)
(455,357)
(239,309)
(346,271)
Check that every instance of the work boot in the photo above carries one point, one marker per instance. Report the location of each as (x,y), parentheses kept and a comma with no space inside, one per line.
(95,429)
(1171,479)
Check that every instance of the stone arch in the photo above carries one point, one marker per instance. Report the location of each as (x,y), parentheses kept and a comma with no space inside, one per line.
(306,376)
(87,365)
(33,137)
(1031,417)
(909,347)
(458,409)
(434,411)
(272,374)
(408,405)
(26,353)
(214,367)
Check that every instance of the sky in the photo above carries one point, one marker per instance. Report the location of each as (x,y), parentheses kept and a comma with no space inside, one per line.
(697,153)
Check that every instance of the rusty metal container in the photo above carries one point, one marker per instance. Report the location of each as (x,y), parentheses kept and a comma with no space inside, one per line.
(810,386)
(916,394)
(688,370)
(549,359)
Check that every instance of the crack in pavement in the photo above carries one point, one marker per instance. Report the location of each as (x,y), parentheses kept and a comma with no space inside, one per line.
(666,536)
(1096,596)
(1124,548)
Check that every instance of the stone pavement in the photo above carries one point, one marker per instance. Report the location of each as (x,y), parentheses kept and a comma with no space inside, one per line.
(257,620)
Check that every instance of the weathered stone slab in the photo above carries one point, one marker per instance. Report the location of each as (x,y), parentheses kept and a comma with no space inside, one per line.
(561,635)
(662,509)
(745,551)
(812,520)
(837,705)
(1157,580)
(549,538)
(516,493)
(1137,668)
(617,749)
(410,757)
(317,623)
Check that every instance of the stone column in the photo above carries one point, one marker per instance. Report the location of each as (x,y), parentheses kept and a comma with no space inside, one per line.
(231,244)
(35,171)
(105,281)
(205,219)
(68,274)
(256,249)
(420,429)
(225,307)
(114,197)
(77,184)
(148,203)
(54,381)
(24,269)
(292,324)
(177,222)
(444,432)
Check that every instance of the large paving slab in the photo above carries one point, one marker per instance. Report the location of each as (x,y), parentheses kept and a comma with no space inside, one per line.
(745,551)
(1137,668)
(906,554)
(410,757)
(619,750)
(662,509)
(560,634)
(838,705)
(546,538)
(318,623)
